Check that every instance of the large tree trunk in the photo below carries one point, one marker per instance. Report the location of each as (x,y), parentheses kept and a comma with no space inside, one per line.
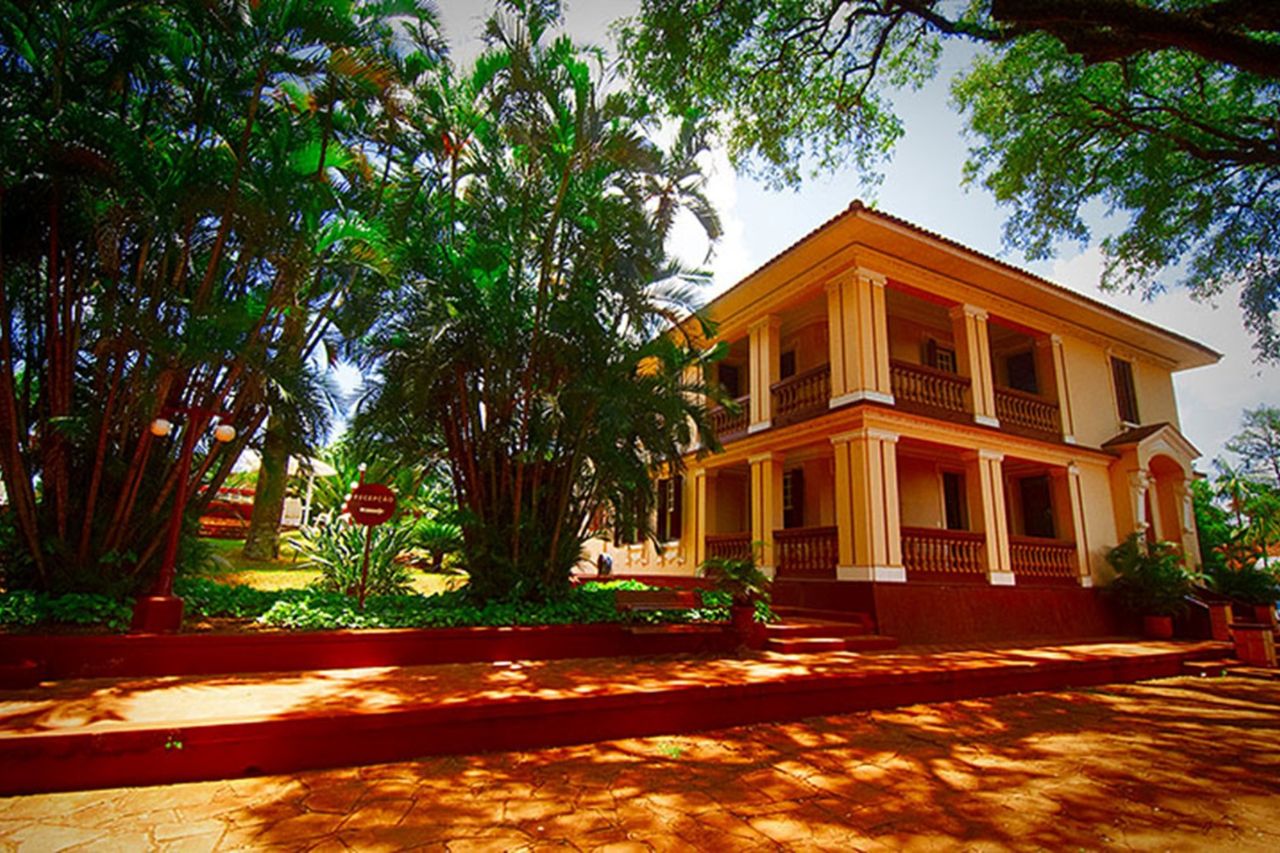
(263,541)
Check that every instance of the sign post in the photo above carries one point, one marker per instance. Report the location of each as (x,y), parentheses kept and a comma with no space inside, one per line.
(370,504)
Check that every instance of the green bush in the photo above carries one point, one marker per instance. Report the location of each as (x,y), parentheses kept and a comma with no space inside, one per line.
(1250,585)
(1151,579)
(336,547)
(24,608)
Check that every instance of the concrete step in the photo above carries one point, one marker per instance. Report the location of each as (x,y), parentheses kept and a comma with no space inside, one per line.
(1228,666)
(814,628)
(811,615)
(815,645)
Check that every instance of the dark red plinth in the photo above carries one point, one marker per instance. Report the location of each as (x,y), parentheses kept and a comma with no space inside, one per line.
(157,614)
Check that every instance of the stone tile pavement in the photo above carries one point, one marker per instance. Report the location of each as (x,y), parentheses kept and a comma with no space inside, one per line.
(1175,764)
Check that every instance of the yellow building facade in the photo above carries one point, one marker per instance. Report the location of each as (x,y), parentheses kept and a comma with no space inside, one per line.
(910,411)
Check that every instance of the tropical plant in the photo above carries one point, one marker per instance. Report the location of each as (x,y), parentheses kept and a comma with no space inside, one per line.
(183,197)
(438,538)
(737,577)
(336,546)
(1151,579)
(542,343)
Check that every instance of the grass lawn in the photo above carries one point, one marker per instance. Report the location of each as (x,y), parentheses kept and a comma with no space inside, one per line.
(292,572)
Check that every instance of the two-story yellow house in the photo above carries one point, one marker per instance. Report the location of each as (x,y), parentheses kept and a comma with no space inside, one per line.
(921,426)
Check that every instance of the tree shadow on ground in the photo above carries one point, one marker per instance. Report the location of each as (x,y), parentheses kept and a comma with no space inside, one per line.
(1172,763)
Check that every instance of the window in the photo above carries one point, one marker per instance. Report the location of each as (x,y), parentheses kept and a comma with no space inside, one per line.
(731,380)
(1021,368)
(793,498)
(787,364)
(943,358)
(1126,396)
(670,505)
(953,500)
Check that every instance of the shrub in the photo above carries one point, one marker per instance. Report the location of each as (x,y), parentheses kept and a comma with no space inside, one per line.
(25,608)
(1151,579)
(739,578)
(335,546)
(1250,585)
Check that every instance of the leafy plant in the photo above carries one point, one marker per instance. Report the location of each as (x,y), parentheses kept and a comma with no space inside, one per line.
(336,547)
(26,608)
(739,578)
(1151,579)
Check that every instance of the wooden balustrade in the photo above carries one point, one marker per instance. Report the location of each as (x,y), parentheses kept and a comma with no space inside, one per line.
(802,396)
(929,549)
(730,425)
(1028,411)
(916,385)
(806,551)
(1042,558)
(729,546)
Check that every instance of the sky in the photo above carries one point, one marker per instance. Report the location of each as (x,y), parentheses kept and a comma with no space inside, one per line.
(922,184)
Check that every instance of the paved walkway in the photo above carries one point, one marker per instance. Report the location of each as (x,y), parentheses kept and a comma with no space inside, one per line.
(1177,764)
(100,705)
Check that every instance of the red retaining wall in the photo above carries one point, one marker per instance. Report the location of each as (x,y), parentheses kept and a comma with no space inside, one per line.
(110,655)
(949,613)
(53,761)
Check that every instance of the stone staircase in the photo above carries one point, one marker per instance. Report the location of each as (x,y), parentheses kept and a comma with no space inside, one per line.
(807,631)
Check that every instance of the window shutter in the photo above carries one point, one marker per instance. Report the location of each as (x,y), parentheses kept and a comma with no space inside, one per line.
(677,508)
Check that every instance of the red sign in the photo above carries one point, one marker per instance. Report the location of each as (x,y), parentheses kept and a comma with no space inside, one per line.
(371,504)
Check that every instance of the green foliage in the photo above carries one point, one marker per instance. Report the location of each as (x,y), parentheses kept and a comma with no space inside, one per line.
(1258,444)
(737,578)
(1151,579)
(1168,138)
(1213,525)
(1251,585)
(336,546)
(1161,113)
(209,598)
(528,343)
(166,242)
(25,608)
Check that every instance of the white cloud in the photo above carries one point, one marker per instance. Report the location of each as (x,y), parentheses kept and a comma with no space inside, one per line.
(731,259)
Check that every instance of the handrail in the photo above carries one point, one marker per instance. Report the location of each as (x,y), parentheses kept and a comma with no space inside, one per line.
(802,396)
(806,551)
(1035,556)
(920,385)
(727,424)
(797,378)
(1030,411)
(929,371)
(729,546)
(931,549)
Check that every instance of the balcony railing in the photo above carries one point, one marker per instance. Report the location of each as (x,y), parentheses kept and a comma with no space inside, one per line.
(1042,558)
(803,396)
(1027,411)
(928,550)
(729,546)
(806,552)
(919,387)
(730,425)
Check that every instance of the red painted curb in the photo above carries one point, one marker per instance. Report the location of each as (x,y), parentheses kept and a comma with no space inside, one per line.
(58,761)
(125,655)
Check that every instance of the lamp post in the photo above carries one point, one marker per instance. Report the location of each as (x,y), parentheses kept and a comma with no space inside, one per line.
(161,611)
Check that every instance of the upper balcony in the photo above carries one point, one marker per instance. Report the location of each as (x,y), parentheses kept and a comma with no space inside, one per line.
(892,345)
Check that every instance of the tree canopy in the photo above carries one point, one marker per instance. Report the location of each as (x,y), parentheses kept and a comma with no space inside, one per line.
(1162,112)
(183,191)
(528,341)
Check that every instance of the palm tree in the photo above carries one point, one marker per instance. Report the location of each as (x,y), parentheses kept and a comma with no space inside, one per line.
(528,345)
(165,216)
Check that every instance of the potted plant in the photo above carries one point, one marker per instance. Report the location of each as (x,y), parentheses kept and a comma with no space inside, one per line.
(745,585)
(1151,582)
(1240,578)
